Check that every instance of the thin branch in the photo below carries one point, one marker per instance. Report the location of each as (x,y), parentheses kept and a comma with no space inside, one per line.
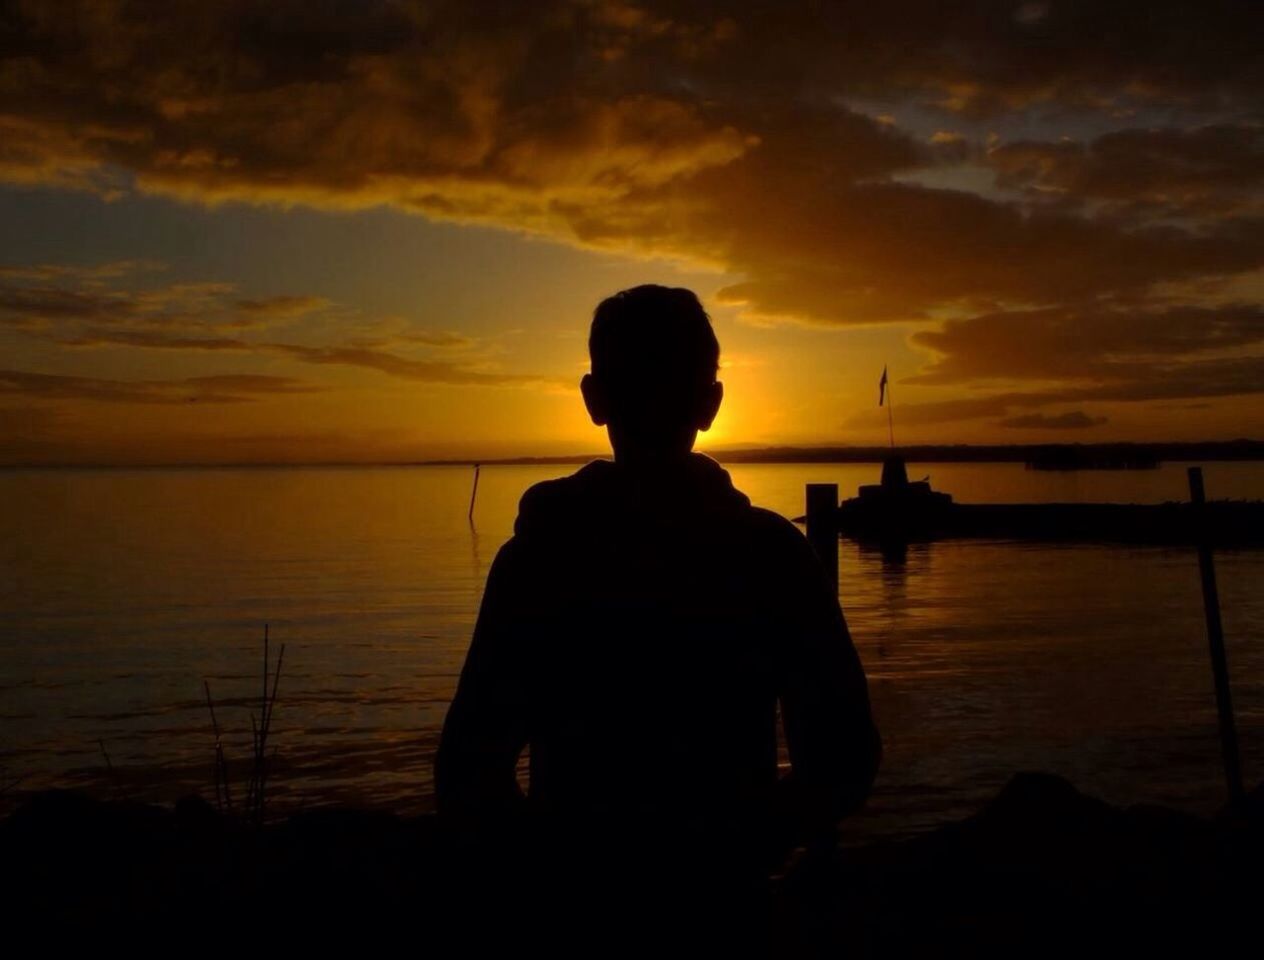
(105,753)
(266,726)
(221,764)
(252,793)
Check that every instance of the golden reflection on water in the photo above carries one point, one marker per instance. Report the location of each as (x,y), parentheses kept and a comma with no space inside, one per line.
(122,590)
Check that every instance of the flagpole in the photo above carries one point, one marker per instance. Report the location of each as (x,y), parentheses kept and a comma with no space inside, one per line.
(890,422)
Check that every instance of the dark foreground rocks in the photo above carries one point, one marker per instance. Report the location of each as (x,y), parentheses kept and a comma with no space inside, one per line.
(1042,870)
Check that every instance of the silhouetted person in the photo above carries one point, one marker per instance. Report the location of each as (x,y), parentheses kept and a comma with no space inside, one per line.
(637,635)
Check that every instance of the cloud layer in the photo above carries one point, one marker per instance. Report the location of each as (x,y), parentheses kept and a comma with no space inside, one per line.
(227,388)
(108,306)
(761,139)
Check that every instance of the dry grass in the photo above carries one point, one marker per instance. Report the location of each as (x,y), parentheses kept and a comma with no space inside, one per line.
(260,759)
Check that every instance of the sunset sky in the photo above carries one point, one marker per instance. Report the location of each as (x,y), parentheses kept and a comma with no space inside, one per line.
(344,231)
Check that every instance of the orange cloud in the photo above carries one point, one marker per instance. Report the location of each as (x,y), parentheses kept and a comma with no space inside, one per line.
(1140,383)
(282,307)
(726,135)
(73,309)
(1113,352)
(716,139)
(225,388)
(1071,420)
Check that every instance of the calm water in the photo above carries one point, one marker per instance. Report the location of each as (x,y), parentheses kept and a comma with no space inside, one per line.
(121,591)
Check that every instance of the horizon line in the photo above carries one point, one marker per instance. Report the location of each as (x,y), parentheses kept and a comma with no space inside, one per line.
(1238,449)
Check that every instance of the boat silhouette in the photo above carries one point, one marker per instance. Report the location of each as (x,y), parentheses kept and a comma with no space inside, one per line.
(896,509)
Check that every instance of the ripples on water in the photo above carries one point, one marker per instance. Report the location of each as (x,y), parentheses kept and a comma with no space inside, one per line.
(122,590)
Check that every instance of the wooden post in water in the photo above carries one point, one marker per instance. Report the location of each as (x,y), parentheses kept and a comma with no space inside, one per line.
(822,524)
(474,492)
(1215,640)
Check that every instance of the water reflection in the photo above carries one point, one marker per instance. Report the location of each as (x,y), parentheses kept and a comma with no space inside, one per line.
(476,567)
(120,591)
(892,565)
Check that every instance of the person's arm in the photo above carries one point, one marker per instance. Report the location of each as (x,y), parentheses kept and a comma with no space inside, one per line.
(833,744)
(485,730)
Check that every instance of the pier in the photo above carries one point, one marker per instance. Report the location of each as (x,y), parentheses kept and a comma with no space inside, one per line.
(899,511)
(1224,523)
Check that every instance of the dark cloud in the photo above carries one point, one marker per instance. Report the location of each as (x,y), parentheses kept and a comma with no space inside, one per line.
(936,412)
(1144,351)
(155,340)
(1094,342)
(82,273)
(437,338)
(49,296)
(1157,381)
(427,371)
(226,388)
(744,137)
(28,308)
(197,317)
(717,133)
(424,338)
(280,307)
(894,251)
(1071,420)
(1213,170)
(981,57)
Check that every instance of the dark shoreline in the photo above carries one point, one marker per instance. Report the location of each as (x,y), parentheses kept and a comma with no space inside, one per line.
(1200,451)
(1211,451)
(1041,869)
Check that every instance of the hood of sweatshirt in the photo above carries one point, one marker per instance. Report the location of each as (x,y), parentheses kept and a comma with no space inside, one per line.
(604,495)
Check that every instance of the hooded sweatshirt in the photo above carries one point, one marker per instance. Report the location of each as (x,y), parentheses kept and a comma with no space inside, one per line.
(637,635)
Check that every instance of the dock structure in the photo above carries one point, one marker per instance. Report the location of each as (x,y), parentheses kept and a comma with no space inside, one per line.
(1222,523)
(822,524)
(897,510)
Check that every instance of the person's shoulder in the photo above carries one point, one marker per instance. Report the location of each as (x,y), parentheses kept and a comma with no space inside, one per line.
(546,492)
(771,524)
(788,567)
(775,533)
(551,501)
(563,489)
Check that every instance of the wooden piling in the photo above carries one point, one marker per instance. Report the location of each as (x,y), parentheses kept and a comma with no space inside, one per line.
(822,524)
(1215,641)
(474,492)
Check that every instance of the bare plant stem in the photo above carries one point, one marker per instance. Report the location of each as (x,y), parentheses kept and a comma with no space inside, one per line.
(109,767)
(259,729)
(223,792)
(269,705)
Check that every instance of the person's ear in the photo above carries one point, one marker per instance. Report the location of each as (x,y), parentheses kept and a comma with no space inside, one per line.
(709,405)
(594,400)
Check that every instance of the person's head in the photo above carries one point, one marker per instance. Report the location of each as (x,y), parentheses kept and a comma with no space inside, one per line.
(654,363)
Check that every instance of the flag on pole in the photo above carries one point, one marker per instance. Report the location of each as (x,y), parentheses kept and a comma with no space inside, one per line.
(882,386)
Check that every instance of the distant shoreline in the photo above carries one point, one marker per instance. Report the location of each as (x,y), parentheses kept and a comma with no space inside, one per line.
(1216,450)
(1202,451)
